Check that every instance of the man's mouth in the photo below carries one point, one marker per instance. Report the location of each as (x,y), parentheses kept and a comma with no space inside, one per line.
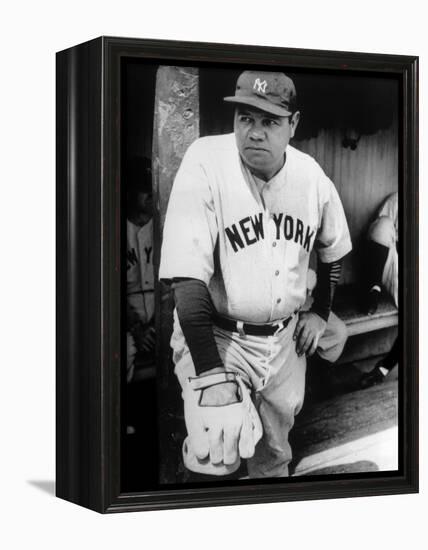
(252,148)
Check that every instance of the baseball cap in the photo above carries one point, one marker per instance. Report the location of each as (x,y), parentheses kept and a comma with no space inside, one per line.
(271,92)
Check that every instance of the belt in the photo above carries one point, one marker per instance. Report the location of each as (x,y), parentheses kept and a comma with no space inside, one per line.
(269,329)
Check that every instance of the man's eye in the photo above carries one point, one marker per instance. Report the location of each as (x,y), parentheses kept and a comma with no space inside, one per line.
(245,119)
(271,122)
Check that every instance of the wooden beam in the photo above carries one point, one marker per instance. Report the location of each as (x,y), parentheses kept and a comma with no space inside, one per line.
(176,126)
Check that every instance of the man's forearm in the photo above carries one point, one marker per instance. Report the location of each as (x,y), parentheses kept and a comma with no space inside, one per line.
(194,310)
(328,276)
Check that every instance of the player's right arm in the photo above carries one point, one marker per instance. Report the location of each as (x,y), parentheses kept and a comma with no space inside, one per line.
(194,310)
(221,420)
(190,230)
(187,259)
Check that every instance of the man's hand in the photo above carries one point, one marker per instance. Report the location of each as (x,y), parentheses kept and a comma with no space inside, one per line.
(309,330)
(224,428)
(219,394)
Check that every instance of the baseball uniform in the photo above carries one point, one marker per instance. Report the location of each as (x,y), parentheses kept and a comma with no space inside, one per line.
(250,242)
(139,286)
(139,276)
(384,230)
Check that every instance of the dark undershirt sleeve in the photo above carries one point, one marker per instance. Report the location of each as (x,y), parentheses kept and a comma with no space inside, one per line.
(194,310)
(328,275)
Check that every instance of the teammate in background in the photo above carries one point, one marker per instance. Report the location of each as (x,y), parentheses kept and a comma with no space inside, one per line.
(382,263)
(139,458)
(382,254)
(139,274)
(245,211)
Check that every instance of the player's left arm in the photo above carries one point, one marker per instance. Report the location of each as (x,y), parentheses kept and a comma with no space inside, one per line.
(312,323)
(333,242)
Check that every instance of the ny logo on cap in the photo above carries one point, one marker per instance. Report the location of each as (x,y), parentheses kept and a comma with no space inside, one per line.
(261,86)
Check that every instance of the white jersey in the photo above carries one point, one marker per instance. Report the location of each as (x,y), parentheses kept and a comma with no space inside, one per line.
(390,208)
(250,240)
(139,270)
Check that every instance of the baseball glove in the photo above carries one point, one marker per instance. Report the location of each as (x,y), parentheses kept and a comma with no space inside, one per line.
(218,435)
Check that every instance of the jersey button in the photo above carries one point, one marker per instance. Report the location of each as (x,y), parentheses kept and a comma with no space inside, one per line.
(278,300)
(274,243)
(276,272)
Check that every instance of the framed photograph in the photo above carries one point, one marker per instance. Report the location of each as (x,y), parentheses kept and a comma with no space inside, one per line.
(237,274)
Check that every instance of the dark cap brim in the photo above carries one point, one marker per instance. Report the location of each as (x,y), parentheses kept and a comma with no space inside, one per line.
(259,103)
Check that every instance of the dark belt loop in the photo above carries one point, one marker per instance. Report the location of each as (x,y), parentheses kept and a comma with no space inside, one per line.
(240,328)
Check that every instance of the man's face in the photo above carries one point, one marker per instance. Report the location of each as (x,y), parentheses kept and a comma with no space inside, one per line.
(144,206)
(262,139)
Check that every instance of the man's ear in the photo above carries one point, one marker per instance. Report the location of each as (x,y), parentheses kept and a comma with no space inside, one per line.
(294,121)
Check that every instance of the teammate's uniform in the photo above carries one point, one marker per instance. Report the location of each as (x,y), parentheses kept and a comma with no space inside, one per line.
(139,280)
(385,226)
(250,242)
(139,265)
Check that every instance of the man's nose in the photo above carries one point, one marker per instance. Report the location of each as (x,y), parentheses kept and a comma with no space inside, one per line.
(257,132)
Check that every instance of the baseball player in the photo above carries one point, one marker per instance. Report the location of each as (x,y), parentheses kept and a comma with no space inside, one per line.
(245,212)
(382,259)
(139,268)
(381,252)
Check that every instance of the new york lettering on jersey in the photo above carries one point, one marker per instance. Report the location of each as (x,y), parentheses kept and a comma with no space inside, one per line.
(250,230)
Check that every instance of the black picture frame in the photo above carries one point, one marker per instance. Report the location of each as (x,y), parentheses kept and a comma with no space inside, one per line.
(89,275)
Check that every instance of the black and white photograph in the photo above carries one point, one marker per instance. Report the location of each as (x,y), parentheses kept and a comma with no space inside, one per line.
(261,294)
(213,300)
